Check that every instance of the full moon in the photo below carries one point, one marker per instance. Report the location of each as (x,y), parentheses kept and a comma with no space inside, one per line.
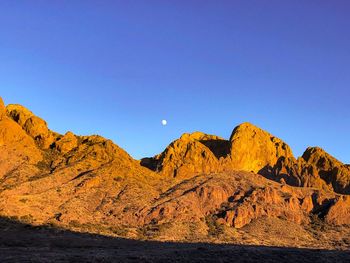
(164,122)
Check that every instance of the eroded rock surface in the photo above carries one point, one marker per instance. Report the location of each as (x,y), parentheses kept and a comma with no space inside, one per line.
(192,154)
(253,149)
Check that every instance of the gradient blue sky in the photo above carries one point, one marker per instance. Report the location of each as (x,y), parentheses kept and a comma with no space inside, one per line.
(117,68)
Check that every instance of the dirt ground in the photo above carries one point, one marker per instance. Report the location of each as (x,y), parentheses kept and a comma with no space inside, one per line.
(25,243)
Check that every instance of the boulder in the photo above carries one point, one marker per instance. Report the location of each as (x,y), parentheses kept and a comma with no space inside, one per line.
(38,130)
(68,142)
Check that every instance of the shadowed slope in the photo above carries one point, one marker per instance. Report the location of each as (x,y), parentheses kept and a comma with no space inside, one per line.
(20,242)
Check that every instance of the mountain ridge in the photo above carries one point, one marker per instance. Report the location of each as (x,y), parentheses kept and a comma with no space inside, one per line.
(201,187)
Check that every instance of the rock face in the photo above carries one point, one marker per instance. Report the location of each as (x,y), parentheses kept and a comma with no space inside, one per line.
(253,149)
(18,152)
(33,125)
(67,143)
(190,155)
(37,128)
(331,170)
(315,168)
(249,149)
(268,202)
(18,113)
(339,213)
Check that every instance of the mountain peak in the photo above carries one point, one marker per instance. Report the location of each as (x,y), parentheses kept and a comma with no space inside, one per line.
(199,136)
(252,148)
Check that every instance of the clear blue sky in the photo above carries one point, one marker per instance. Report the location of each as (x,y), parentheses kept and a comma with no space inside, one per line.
(117,68)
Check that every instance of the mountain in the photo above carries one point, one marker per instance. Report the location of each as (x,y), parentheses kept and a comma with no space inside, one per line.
(255,150)
(245,190)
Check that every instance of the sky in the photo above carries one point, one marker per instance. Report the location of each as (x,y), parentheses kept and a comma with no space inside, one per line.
(117,68)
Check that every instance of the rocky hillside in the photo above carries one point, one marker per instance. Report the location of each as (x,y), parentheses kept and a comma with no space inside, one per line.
(201,188)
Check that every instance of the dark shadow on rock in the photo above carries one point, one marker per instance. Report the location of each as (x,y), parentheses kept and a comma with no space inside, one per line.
(25,243)
(321,210)
(220,148)
(330,177)
(275,173)
(150,163)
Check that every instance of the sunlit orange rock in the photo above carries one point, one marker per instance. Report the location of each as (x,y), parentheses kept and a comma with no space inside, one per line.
(68,142)
(18,113)
(253,149)
(339,213)
(331,170)
(190,155)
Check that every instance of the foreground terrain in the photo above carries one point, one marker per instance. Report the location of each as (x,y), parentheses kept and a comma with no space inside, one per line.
(24,243)
(249,191)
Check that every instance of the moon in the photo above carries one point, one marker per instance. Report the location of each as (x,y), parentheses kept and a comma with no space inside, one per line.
(164,122)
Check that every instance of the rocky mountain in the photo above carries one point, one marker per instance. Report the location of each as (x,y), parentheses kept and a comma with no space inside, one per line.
(255,150)
(191,154)
(200,188)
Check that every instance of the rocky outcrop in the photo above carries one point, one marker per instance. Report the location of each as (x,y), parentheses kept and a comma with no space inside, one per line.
(339,213)
(66,143)
(315,168)
(33,125)
(18,113)
(253,149)
(38,130)
(190,155)
(269,202)
(249,149)
(332,171)
(236,199)
(18,151)
(295,172)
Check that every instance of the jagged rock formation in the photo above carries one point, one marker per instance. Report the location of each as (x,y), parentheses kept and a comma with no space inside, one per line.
(315,168)
(33,125)
(191,154)
(66,143)
(253,149)
(201,186)
(339,213)
(18,113)
(18,151)
(331,170)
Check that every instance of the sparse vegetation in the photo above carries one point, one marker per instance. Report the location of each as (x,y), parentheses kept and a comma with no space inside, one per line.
(214,229)
(27,219)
